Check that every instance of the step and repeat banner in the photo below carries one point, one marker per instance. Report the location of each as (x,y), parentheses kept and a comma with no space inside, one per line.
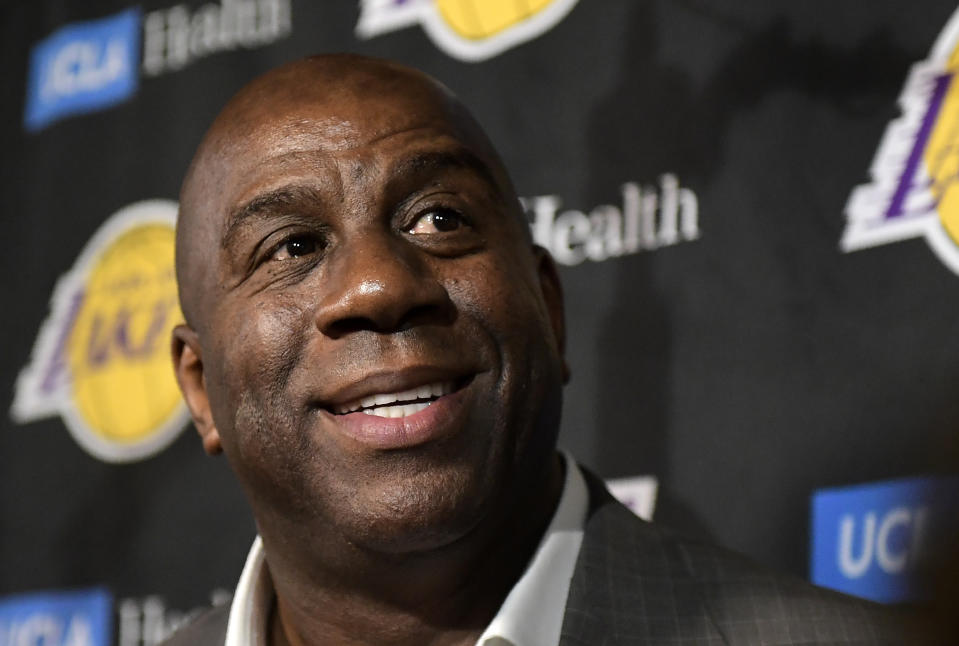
(755,210)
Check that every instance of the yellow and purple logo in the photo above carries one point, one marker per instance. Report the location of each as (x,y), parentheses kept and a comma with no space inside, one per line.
(470,30)
(102,360)
(915,174)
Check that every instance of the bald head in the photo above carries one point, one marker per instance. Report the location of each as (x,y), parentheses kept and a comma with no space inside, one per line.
(306,108)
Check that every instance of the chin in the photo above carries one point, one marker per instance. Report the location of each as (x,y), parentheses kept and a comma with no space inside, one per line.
(422,511)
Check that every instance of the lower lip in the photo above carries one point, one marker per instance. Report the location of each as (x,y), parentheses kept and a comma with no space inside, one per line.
(384,433)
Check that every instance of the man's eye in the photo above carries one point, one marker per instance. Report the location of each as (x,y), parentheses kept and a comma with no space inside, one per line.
(439,221)
(294,248)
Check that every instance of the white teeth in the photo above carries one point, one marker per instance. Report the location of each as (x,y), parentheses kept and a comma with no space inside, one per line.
(377,404)
(415,408)
(398,411)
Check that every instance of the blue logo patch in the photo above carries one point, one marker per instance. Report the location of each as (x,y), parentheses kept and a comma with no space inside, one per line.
(80,618)
(881,541)
(82,67)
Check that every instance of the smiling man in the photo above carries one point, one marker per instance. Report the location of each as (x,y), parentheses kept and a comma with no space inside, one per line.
(376,345)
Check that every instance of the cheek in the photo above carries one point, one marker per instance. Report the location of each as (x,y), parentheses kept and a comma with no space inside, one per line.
(502,293)
(259,347)
(501,298)
(509,309)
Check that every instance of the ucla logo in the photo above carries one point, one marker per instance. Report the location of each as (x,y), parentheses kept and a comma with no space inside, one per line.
(82,67)
(470,30)
(879,541)
(102,359)
(78,618)
(914,190)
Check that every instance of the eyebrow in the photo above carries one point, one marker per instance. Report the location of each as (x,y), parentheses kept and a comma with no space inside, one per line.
(265,205)
(434,161)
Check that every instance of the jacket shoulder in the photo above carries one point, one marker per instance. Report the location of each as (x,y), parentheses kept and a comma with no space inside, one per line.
(647,580)
(750,604)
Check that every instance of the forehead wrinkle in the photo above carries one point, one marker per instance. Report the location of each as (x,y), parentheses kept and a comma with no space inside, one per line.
(303,133)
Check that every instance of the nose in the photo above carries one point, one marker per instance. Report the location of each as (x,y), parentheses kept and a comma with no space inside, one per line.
(380,282)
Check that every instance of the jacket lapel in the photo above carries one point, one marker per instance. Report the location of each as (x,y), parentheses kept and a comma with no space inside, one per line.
(631,584)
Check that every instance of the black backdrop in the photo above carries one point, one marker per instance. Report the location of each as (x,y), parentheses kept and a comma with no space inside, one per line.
(745,361)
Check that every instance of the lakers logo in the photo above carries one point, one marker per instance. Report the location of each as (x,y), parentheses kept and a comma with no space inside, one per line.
(101,360)
(471,30)
(914,190)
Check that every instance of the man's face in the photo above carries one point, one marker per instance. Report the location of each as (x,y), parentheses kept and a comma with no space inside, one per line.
(380,344)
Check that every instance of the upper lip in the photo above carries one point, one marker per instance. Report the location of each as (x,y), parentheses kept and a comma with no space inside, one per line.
(391,381)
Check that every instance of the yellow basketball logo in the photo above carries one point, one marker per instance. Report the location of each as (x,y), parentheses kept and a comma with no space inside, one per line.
(476,19)
(471,30)
(102,358)
(942,153)
(914,187)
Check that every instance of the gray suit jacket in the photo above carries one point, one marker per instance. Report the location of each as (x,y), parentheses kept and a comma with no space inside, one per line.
(637,584)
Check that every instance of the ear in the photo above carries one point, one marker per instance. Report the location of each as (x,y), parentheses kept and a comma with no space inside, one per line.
(188,363)
(552,290)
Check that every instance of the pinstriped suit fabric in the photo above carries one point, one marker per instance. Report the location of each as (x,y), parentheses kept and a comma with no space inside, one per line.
(637,584)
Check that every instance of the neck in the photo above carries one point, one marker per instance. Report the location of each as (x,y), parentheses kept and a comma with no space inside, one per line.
(442,596)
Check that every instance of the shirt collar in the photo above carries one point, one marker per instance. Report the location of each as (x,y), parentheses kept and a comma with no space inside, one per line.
(531,615)
(250,610)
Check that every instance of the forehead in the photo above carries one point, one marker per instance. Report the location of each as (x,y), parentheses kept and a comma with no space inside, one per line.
(349,136)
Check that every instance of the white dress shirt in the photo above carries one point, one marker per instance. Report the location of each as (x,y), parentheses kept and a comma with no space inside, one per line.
(531,615)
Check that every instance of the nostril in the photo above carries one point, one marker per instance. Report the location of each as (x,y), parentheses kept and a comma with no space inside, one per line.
(432,313)
(343,326)
(427,314)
